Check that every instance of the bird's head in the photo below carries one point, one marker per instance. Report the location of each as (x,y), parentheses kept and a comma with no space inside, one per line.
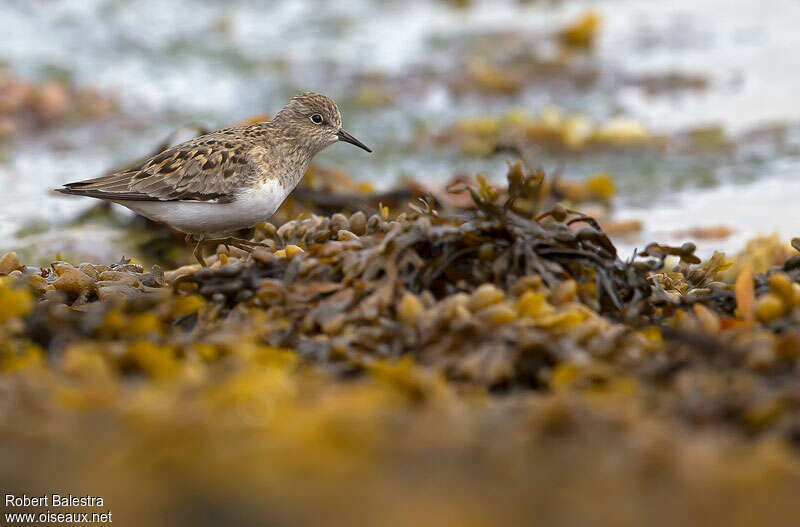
(314,119)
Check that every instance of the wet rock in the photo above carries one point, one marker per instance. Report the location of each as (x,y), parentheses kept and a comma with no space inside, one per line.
(72,280)
(8,263)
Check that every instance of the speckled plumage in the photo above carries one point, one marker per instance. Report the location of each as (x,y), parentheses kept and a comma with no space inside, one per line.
(228,179)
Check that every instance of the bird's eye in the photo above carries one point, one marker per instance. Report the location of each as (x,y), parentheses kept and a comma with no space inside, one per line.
(316,118)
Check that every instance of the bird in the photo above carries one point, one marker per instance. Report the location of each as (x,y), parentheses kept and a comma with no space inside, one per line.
(230,179)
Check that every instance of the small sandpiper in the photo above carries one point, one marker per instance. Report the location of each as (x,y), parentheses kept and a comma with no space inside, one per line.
(226,180)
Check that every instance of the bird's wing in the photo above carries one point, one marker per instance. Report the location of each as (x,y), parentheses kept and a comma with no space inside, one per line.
(208,168)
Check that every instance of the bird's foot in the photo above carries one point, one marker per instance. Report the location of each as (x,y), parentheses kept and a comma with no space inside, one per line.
(247,246)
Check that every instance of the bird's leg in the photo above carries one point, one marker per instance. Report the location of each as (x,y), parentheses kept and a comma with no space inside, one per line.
(213,242)
(198,250)
(202,242)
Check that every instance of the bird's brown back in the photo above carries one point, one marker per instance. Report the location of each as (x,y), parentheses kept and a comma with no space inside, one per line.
(209,167)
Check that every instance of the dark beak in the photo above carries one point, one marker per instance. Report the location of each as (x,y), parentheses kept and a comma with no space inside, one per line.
(347,138)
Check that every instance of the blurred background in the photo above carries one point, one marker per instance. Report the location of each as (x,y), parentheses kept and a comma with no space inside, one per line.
(667,120)
(690,107)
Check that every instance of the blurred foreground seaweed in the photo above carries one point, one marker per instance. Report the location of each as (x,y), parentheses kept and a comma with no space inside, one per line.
(475,364)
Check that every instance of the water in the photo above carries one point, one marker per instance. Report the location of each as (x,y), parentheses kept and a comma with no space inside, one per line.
(173,62)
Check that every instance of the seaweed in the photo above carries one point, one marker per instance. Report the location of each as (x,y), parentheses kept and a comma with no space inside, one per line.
(369,342)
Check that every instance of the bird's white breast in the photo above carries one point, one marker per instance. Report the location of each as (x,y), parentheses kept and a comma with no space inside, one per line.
(251,207)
